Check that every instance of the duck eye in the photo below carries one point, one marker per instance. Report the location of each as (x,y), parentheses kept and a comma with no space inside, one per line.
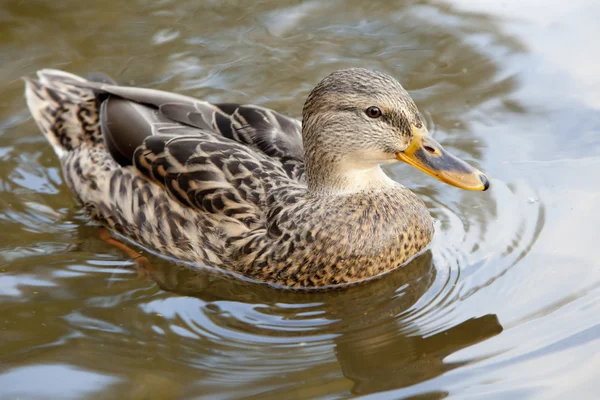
(373,112)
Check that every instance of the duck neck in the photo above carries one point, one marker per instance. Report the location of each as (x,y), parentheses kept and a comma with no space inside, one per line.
(328,177)
(333,168)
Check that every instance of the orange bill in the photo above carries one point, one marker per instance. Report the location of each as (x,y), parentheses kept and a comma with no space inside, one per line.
(429,156)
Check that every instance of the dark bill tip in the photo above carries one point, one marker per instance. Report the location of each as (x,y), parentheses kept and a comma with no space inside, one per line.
(485,181)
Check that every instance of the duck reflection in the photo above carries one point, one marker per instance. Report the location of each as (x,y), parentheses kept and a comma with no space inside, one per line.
(378,342)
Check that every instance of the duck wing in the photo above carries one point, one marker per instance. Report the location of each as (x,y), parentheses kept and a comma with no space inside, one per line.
(268,131)
(226,159)
(265,130)
(199,167)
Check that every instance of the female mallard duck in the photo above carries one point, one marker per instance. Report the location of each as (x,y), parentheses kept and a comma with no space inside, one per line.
(244,188)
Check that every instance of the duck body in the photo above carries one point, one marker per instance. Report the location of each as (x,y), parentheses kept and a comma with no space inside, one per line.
(225,185)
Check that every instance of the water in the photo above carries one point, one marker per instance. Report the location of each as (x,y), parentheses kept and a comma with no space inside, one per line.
(504,305)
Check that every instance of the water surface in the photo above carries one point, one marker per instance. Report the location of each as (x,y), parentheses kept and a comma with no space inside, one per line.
(505,304)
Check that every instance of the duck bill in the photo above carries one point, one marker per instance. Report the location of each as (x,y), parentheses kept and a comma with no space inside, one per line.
(429,156)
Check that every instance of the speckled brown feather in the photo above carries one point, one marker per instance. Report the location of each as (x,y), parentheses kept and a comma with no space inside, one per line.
(220,185)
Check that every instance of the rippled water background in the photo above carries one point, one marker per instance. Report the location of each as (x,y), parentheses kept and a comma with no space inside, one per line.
(506,304)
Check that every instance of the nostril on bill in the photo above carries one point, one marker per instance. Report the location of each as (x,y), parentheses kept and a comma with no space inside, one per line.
(429,149)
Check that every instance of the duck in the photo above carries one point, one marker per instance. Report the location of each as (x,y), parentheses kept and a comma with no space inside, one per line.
(245,189)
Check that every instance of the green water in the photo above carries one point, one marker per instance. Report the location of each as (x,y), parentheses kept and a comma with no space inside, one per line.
(506,304)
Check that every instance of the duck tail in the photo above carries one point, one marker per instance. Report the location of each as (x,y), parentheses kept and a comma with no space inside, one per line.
(65,108)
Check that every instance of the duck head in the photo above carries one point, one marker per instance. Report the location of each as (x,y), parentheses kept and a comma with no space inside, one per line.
(356,119)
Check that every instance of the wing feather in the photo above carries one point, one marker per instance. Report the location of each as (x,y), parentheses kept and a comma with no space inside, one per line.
(219,158)
(212,174)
